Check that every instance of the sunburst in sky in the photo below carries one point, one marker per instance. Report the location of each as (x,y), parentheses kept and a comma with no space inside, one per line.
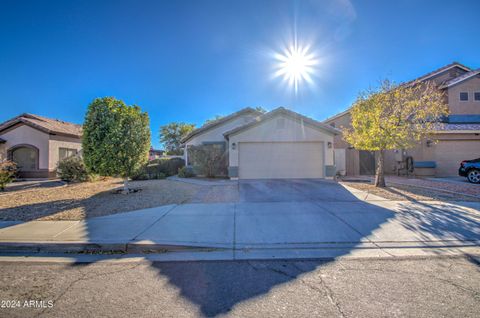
(296,65)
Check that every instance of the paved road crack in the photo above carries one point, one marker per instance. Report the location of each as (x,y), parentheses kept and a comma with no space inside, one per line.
(327,291)
(86,277)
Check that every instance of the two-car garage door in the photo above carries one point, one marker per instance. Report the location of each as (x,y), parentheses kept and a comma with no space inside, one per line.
(271,160)
(449,154)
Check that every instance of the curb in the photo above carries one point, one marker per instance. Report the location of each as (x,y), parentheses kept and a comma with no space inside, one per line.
(61,247)
(161,248)
(99,247)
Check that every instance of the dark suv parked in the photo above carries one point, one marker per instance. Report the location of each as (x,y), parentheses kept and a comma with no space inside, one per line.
(471,170)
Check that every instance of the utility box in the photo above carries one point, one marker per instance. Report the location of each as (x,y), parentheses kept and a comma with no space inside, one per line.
(400,155)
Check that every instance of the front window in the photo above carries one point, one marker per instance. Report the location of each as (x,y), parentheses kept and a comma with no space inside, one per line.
(477,96)
(463,96)
(26,158)
(66,152)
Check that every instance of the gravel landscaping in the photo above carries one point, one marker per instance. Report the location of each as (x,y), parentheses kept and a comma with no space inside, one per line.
(90,199)
(401,192)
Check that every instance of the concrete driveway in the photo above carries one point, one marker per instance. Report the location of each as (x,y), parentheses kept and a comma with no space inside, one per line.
(299,215)
(293,190)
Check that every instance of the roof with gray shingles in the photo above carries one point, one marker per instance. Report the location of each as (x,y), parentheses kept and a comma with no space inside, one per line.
(460,78)
(287,112)
(457,127)
(438,71)
(215,123)
(48,125)
(416,80)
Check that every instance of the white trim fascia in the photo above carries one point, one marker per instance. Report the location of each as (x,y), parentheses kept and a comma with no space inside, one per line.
(456,132)
(420,79)
(473,73)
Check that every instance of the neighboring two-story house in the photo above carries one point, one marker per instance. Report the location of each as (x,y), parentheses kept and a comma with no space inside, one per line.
(456,139)
(277,144)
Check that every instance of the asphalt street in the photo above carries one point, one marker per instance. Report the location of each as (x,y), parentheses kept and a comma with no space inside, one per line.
(429,287)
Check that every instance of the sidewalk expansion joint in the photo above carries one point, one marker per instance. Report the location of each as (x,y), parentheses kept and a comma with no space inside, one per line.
(353,228)
(151,225)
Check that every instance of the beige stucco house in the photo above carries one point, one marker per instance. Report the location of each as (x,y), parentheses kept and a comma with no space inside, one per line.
(37,143)
(457,138)
(277,144)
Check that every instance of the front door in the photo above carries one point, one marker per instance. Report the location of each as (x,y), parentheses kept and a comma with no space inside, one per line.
(367,162)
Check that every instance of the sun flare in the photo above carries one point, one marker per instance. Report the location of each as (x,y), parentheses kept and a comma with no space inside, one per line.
(296,64)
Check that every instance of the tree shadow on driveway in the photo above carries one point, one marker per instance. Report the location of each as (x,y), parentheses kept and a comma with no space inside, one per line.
(298,215)
(437,221)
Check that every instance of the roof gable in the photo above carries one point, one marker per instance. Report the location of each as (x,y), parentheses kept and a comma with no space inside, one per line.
(283,111)
(47,125)
(439,71)
(460,78)
(422,78)
(219,122)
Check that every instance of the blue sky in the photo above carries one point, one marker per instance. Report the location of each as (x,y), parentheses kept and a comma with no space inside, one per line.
(190,60)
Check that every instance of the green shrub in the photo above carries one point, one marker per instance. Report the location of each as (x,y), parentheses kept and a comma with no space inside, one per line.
(72,169)
(185,172)
(140,174)
(159,169)
(8,170)
(168,166)
(209,160)
(116,139)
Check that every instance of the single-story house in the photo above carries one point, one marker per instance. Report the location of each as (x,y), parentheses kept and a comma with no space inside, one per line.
(37,143)
(457,138)
(277,144)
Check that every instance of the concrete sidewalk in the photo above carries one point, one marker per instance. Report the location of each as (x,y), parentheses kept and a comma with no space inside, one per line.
(263,230)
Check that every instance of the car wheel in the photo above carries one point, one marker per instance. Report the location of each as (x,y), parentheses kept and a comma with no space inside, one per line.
(474,176)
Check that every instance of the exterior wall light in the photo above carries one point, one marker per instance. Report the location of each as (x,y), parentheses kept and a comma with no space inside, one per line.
(429,143)
(234,146)
(329,145)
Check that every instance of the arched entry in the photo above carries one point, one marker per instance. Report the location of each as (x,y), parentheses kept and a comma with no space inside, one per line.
(25,156)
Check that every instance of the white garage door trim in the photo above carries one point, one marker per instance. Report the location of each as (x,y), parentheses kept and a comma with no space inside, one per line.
(281,160)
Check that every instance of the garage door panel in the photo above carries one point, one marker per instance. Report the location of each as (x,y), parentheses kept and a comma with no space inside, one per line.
(271,160)
(449,154)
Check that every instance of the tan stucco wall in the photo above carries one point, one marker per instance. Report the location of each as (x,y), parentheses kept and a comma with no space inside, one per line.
(57,142)
(437,151)
(340,122)
(447,150)
(464,107)
(24,134)
(267,131)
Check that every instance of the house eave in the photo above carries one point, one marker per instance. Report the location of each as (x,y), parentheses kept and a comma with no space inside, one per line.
(281,110)
(12,125)
(457,131)
(217,123)
(459,79)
